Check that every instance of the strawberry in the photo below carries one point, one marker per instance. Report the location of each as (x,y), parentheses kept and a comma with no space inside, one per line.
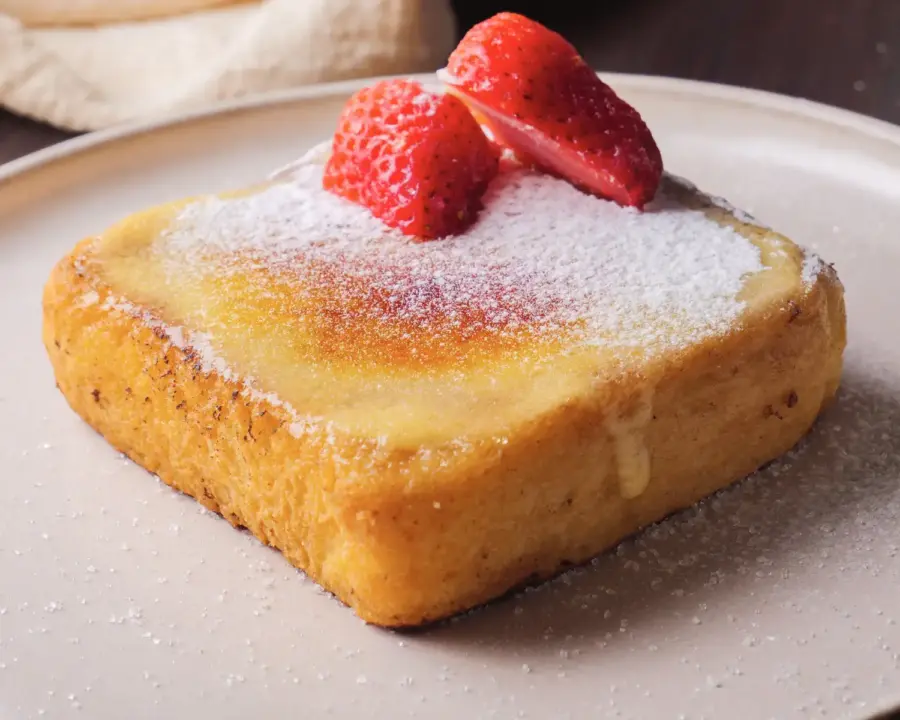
(417,160)
(541,99)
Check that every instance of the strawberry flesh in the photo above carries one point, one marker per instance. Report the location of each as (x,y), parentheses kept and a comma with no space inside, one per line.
(417,160)
(539,97)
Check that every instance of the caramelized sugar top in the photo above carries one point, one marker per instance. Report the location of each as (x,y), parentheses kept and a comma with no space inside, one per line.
(312,298)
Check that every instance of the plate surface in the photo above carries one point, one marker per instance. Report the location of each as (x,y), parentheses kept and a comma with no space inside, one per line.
(777,598)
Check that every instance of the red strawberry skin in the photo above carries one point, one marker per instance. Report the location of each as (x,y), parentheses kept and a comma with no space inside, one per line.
(542,100)
(417,160)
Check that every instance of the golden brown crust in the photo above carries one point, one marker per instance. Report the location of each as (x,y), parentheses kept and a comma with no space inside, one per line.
(403,540)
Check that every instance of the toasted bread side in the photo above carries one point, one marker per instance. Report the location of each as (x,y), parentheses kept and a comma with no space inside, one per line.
(406,538)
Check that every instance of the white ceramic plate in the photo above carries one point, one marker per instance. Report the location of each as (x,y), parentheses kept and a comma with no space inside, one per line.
(777,598)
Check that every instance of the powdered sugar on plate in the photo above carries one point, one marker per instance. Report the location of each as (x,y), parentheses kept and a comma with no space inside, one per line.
(541,253)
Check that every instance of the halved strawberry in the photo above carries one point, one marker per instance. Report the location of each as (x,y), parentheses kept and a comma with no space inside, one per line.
(417,160)
(541,99)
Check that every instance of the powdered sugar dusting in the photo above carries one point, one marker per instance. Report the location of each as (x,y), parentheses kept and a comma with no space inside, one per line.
(541,253)
(813,265)
(721,203)
(210,360)
(89,298)
(742,215)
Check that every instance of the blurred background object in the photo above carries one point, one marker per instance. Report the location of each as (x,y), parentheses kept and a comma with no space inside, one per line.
(97,74)
(37,13)
(838,52)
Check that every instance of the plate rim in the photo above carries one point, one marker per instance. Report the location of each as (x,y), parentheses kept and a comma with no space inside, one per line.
(691,89)
(734,94)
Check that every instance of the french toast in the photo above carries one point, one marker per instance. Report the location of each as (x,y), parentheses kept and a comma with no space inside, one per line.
(421,427)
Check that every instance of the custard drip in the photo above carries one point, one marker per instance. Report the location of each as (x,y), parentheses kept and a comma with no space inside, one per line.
(628,428)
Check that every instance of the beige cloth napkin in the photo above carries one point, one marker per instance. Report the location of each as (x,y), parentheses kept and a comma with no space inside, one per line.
(90,77)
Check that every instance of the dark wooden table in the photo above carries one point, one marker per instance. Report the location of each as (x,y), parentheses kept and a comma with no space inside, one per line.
(841,52)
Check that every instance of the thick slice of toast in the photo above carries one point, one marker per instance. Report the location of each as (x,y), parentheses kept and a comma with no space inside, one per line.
(422,426)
